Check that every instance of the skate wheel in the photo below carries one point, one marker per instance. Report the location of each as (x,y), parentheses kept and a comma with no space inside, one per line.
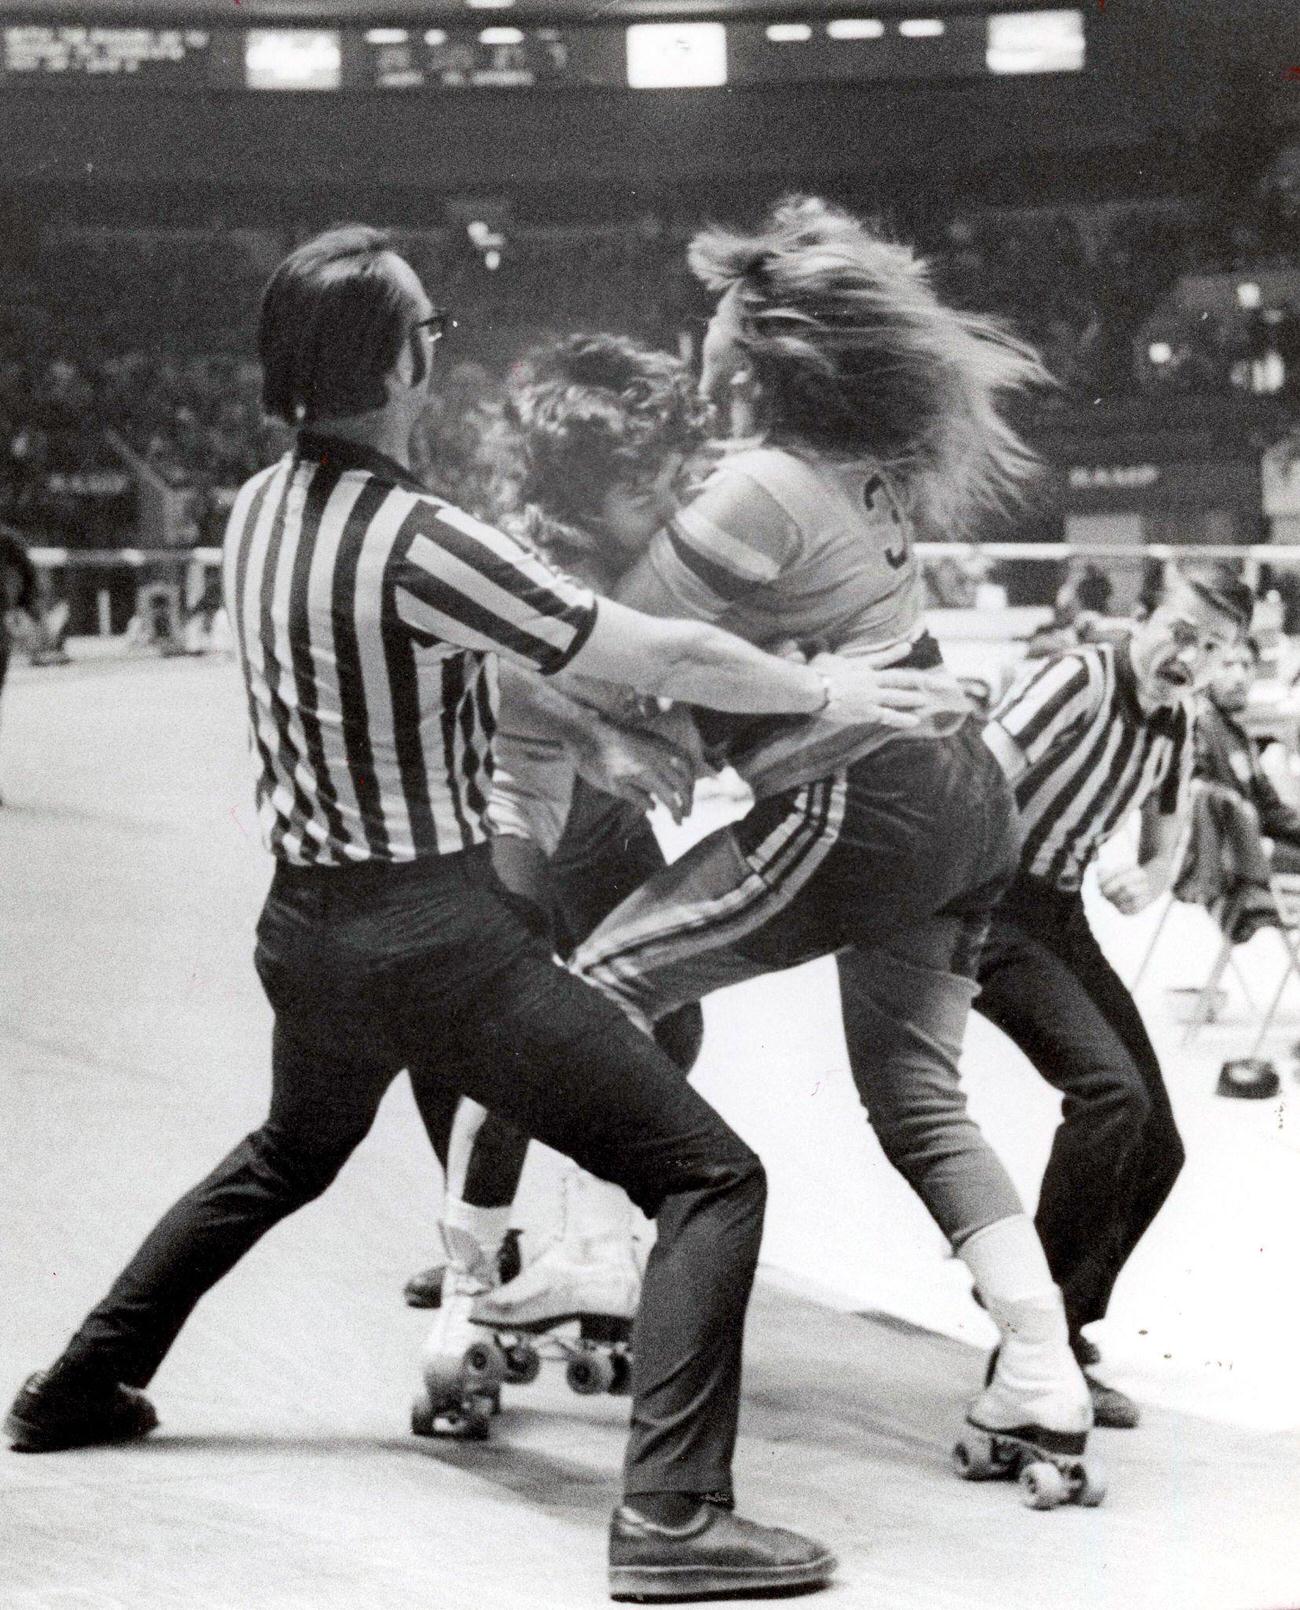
(1091,1490)
(621,1384)
(589,1374)
(1042,1486)
(467,1421)
(523,1364)
(485,1364)
(461,1426)
(421,1415)
(478,1412)
(972,1459)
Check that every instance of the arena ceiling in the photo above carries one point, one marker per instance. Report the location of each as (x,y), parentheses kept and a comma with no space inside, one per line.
(159,12)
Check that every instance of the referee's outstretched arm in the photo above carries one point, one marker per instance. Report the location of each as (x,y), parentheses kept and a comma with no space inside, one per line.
(701,664)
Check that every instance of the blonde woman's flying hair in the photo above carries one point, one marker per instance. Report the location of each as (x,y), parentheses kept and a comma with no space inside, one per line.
(855,356)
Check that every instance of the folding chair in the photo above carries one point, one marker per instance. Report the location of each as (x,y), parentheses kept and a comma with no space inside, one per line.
(1213,842)
(1203,1007)
(1286,894)
(1286,891)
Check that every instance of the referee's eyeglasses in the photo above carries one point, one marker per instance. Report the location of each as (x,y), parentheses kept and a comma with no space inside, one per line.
(437,324)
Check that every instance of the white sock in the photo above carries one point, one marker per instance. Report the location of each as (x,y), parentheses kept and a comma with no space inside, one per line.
(1009,1267)
(472,1235)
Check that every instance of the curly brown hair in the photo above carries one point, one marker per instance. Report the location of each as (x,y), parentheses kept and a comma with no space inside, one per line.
(599,411)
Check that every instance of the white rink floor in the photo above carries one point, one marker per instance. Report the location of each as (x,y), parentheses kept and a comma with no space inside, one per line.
(143,762)
(133,1051)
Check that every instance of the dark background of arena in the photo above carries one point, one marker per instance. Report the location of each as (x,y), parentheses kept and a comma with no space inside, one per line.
(1109,214)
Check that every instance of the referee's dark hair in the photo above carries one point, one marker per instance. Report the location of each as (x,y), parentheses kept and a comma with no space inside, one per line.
(1223,591)
(332,324)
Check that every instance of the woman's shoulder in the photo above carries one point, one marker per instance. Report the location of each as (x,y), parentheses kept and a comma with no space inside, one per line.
(763,460)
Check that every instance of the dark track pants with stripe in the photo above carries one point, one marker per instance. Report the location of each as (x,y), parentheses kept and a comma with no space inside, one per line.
(1117,1153)
(894,866)
(607,850)
(371,969)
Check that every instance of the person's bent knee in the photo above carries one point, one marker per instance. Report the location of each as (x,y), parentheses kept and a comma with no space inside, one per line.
(1119,1096)
(737,1175)
(680,1035)
(747,1180)
(1163,1147)
(1174,1156)
(751,1175)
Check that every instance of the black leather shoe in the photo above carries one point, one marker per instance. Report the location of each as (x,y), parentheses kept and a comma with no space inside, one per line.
(1087,1353)
(424,1290)
(714,1554)
(1111,1408)
(53,1412)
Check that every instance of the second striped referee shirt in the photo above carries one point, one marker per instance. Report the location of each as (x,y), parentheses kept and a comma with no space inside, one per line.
(1085,755)
(367,615)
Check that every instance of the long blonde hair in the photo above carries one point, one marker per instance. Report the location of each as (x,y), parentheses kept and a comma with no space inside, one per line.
(855,356)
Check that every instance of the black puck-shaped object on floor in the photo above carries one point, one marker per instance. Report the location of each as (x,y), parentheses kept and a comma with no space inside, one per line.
(1252,1078)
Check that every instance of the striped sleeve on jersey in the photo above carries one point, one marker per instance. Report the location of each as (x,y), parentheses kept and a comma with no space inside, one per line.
(459,581)
(731,539)
(1050,704)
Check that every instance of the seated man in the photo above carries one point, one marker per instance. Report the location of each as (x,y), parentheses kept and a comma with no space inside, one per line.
(1228,757)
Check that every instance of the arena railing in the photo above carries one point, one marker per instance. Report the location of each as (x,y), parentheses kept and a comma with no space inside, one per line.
(990,592)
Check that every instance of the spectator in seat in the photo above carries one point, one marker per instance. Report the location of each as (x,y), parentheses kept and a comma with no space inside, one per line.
(1228,757)
(19,589)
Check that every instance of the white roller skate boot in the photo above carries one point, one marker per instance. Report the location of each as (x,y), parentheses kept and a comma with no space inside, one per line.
(456,1401)
(588,1275)
(1032,1419)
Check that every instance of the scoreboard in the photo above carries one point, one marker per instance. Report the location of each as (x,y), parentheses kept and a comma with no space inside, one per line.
(460,56)
(163,57)
(70,56)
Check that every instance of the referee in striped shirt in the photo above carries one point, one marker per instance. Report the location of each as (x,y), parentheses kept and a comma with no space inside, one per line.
(371,621)
(1087,739)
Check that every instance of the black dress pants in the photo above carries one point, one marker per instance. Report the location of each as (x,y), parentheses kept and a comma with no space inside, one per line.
(1117,1153)
(374,968)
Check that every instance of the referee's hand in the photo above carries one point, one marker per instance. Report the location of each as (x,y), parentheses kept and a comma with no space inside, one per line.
(863,694)
(1129,889)
(636,767)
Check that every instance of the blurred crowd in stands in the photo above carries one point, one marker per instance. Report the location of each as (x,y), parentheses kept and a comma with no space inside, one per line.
(128,355)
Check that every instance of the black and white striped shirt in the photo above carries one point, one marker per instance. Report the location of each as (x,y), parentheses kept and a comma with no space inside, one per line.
(367,615)
(1092,757)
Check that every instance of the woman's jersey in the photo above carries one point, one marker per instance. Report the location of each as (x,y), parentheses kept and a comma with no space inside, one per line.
(779,546)
(534,775)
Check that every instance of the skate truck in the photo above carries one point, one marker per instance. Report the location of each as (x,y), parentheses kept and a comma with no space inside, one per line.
(1049,1466)
(460,1402)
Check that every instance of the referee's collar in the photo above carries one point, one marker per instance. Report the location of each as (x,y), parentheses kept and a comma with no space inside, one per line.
(338,452)
(1163,719)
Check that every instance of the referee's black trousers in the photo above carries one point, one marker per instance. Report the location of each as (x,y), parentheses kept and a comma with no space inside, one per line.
(1117,1153)
(371,969)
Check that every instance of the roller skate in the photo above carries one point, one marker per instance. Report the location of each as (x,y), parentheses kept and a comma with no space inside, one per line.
(597,1356)
(424,1289)
(1031,1422)
(456,1400)
(588,1278)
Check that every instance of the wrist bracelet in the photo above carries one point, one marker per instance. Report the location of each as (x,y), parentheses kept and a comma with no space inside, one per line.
(827,689)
